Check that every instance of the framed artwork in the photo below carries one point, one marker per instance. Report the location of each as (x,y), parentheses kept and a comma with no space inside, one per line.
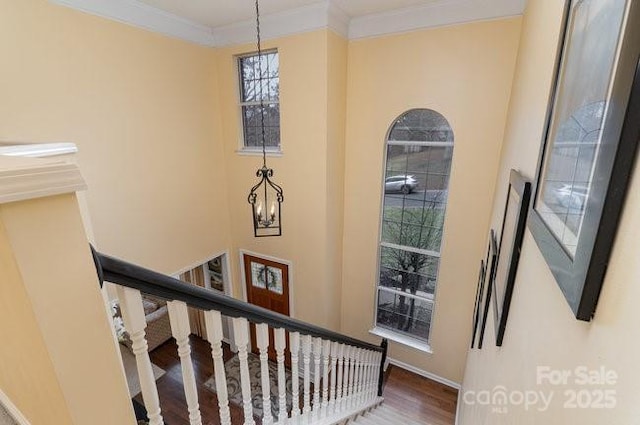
(514,221)
(476,308)
(589,147)
(485,297)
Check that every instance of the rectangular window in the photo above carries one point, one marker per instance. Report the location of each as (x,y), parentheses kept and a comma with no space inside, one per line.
(260,100)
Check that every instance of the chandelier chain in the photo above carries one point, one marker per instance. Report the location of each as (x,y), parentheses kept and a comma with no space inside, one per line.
(260,77)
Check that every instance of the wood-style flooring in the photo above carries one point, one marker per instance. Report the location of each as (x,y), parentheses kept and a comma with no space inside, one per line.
(420,398)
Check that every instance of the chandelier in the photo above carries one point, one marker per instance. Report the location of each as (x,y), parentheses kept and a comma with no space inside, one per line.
(266,197)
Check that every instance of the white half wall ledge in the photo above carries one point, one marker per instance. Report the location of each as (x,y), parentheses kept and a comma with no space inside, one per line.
(37,150)
(324,14)
(30,178)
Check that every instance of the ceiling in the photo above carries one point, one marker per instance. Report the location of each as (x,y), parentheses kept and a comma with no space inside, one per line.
(216,13)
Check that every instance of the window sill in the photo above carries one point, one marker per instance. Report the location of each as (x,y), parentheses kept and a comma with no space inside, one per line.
(402,339)
(258,152)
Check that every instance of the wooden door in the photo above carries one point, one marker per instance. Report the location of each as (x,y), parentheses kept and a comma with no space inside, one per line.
(267,286)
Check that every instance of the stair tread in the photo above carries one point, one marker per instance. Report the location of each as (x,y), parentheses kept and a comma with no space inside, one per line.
(388,414)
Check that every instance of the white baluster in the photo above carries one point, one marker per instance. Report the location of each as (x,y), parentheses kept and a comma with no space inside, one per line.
(332,393)
(241,334)
(317,352)
(347,374)
(357,380)
(135,323)
(374,379)
(281,344)
(326,350)
(363,375)
(306,359)
(262,340)
(179,320)
(369,395)
(377,360)
(294,340)
(339,400)
(213,321)
(352,372)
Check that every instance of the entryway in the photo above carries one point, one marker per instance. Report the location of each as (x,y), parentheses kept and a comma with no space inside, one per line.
(215,276)
(267,286)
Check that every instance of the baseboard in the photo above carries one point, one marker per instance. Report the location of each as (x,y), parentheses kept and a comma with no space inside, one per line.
(13,411)
(458,404)
(424,373)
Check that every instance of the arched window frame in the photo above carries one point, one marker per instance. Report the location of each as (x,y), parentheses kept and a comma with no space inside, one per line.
(426,251)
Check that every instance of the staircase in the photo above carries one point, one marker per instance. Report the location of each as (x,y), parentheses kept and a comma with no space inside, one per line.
(335,379)
(383,414)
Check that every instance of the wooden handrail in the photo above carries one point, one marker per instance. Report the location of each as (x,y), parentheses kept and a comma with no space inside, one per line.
(120,272)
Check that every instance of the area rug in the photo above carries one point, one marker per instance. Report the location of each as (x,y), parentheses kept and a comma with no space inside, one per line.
(131,371)
(234,389)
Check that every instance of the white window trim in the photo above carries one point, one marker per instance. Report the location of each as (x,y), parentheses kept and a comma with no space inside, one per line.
(403,339)
(242,148)
(410,249)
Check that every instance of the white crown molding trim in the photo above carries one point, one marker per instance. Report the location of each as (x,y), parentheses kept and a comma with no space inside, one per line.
(142,15)
(303,19)
(424,373)
(445,12)
(37,150)
(324,14)
(12,410)
(26,178)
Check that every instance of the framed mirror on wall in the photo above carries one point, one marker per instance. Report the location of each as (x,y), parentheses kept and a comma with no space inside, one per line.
(589,146)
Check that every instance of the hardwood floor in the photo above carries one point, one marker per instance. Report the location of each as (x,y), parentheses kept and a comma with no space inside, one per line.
(420,398)
(425,400)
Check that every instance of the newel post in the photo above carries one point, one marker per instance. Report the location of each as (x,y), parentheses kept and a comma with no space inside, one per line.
(384,346)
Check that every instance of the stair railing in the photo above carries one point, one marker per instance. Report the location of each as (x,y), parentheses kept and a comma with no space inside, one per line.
(347,372)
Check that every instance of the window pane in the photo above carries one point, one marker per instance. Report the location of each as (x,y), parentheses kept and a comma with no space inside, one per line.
(260,82)
(404,314)
(421,125)
(408,271)
(251,117)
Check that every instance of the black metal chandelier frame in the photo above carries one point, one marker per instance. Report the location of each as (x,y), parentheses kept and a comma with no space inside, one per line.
(265,223)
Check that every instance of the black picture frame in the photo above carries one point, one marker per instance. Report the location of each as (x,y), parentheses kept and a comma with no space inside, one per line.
(485,299)
(476,308)
(580,271)
(514,220)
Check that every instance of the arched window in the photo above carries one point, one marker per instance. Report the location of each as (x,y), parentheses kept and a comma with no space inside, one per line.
(417,168)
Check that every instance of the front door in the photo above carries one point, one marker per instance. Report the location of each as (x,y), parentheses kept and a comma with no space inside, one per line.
(267,286)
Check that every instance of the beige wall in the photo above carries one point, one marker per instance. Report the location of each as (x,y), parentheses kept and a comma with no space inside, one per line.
(141,108)
(465,73)
(542,331)
(309,169)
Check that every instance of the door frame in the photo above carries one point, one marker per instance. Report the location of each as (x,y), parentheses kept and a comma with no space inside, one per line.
(243,277)
(226,270)
(226,282)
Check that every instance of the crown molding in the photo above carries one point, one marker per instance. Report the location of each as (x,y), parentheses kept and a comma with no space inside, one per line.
(138,14)
(30,178)
(321,15)
(445,12)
